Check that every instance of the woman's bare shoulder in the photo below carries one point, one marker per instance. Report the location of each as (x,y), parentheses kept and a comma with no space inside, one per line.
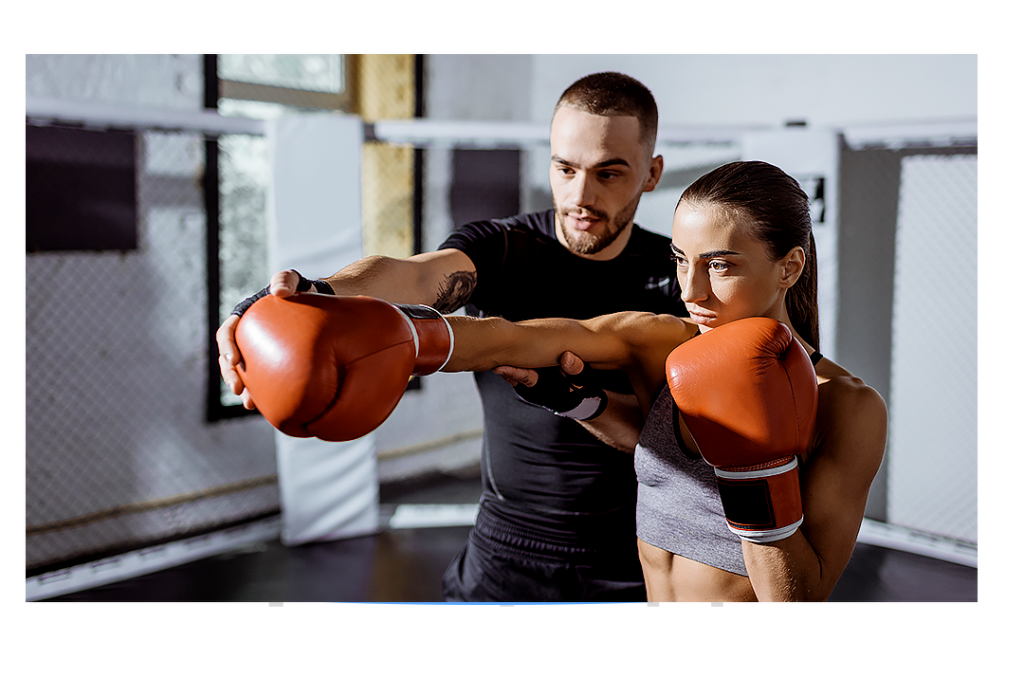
(850,409)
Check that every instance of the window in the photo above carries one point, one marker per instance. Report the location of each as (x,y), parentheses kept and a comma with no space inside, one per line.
(266,86)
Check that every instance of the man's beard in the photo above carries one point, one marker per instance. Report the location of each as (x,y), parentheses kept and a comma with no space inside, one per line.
(585,242)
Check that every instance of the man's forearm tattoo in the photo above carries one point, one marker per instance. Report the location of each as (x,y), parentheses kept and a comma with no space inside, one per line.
(455,290)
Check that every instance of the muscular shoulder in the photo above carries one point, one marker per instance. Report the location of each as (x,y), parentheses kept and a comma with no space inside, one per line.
(838,388)
(852,417)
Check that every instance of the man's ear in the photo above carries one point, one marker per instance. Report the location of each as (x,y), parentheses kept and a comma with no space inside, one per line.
(654,173)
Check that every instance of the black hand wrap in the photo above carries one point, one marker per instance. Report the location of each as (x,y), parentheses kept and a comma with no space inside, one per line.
(321,286)
(574,396)
(305,284)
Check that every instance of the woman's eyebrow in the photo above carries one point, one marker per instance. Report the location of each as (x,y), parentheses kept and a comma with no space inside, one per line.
(707,255)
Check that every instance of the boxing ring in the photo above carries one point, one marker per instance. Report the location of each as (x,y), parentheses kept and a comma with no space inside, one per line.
(881,197)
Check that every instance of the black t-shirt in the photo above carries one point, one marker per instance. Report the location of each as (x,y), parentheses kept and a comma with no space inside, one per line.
(542,472)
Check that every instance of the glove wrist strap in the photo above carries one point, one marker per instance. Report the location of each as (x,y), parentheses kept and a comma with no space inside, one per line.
(589,408)
(432,336)
(762,503)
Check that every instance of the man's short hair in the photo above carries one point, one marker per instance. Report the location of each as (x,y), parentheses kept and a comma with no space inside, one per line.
(614,94)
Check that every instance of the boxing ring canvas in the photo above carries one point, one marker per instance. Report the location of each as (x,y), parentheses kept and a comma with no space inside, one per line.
(328,490)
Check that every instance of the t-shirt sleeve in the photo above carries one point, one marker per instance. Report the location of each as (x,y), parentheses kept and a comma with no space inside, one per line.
(485,243)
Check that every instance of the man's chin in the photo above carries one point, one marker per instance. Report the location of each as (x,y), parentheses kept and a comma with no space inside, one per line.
(583,242)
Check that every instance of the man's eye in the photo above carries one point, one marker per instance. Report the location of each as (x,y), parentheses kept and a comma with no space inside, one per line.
(719,266)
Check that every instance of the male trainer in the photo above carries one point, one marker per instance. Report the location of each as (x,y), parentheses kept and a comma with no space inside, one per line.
(557,513)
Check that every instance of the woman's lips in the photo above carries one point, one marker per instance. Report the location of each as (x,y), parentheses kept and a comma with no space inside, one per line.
(700,317)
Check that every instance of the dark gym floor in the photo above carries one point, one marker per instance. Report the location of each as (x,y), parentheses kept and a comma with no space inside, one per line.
(406,565)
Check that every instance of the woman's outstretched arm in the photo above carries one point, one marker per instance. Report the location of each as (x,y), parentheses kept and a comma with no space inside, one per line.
(634,342)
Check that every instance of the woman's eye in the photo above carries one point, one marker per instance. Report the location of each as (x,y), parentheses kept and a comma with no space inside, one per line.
(719,266)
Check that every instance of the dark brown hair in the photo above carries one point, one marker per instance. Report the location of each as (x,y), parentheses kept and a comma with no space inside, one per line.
(779,212)
(615,94)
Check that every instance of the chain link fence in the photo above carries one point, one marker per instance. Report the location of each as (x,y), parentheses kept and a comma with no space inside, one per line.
(118,450)
(933,404)
(908,323)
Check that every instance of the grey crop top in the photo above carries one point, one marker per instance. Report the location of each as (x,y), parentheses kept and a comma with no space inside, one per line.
(678,507)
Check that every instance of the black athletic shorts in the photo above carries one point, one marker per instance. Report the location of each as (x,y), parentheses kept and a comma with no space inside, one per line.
(503,563)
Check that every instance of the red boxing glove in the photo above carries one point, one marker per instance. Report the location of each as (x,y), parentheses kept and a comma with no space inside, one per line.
(748,393)
(335,367)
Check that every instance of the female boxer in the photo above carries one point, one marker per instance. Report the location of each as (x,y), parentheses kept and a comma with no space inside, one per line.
(757,453)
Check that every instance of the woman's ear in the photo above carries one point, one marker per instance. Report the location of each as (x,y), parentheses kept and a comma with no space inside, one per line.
(792,265)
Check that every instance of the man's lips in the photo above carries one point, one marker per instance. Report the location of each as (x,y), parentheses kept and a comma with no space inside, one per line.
(581,222)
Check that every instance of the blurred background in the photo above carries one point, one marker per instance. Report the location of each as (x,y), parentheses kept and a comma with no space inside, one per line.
(148,188)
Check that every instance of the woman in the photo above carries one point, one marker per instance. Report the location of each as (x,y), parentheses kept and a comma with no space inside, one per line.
(743,247)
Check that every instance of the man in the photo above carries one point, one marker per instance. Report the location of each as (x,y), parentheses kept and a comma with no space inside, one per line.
(557,514)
